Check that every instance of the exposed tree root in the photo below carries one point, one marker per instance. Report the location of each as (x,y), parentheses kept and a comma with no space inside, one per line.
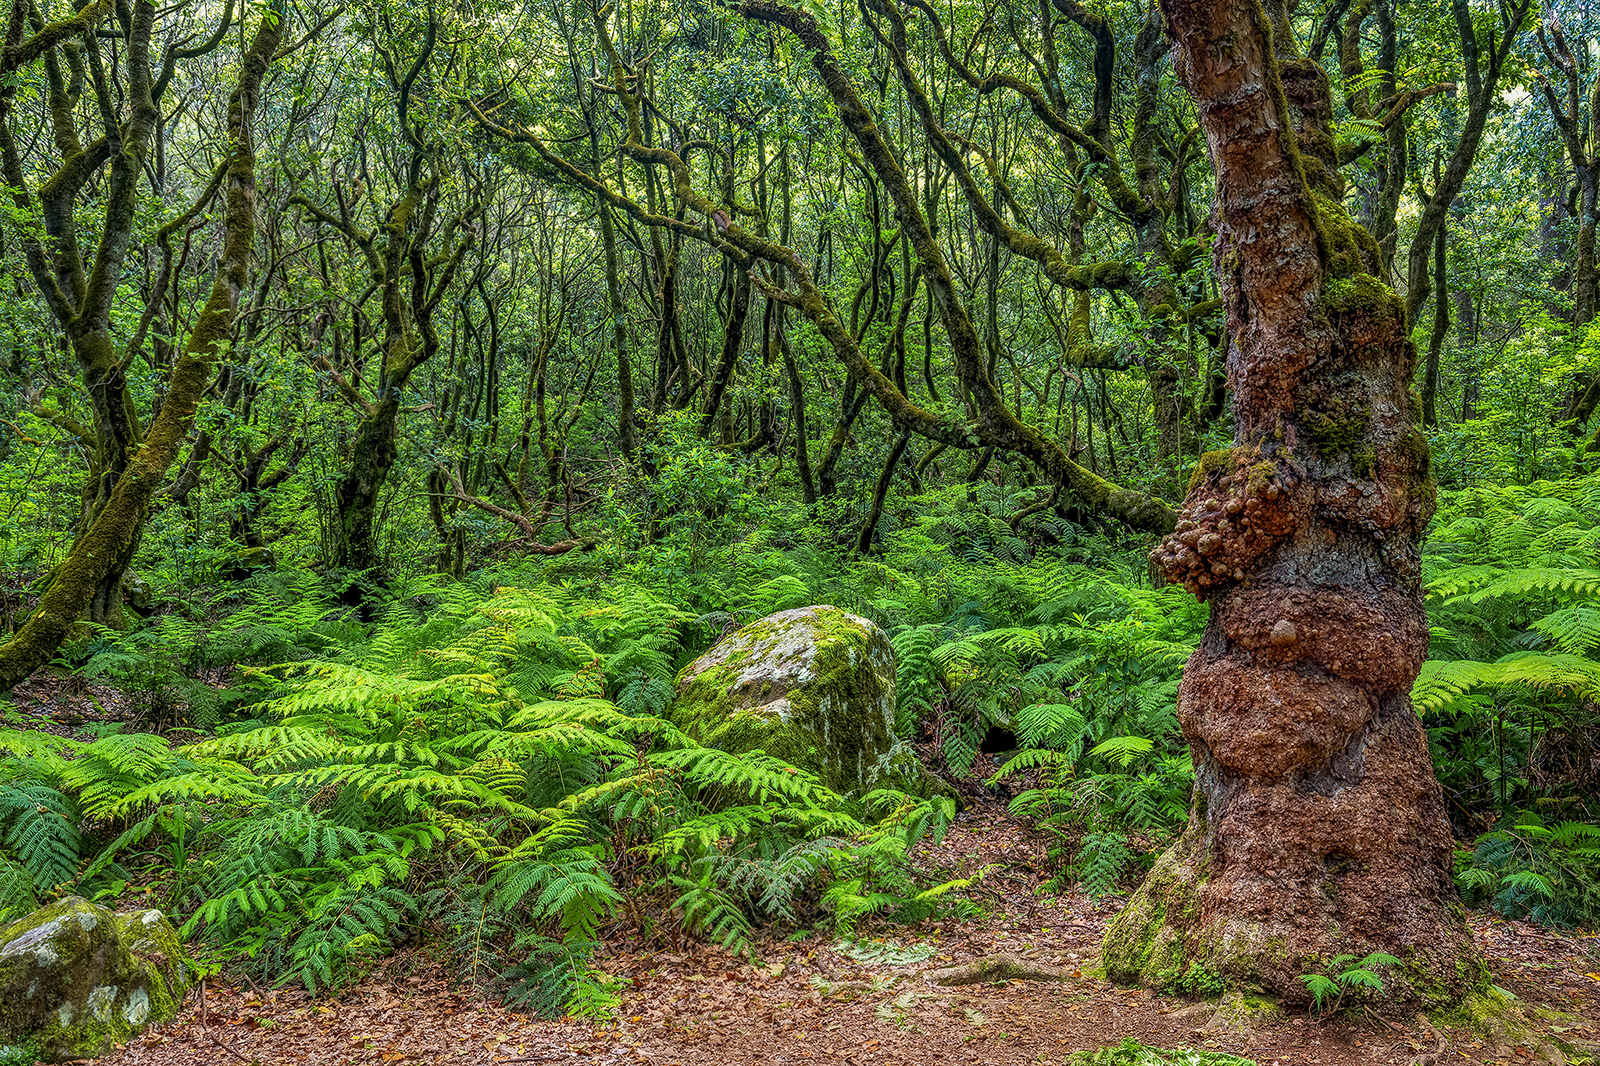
(1003,967)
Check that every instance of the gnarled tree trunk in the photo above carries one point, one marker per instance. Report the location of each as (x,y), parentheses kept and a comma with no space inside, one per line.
(1318,826)
(106,543)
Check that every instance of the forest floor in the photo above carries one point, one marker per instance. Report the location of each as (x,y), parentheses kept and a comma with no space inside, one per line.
(814,1001)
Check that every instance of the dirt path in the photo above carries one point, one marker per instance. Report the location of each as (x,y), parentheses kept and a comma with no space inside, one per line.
(862,1004)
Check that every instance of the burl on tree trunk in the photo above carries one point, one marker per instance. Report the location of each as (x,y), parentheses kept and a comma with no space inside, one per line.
(1318,827)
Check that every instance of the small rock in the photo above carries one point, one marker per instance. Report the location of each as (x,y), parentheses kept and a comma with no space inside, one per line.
(77,979)
(814,686)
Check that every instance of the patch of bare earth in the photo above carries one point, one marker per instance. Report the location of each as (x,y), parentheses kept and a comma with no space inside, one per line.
(816,1002)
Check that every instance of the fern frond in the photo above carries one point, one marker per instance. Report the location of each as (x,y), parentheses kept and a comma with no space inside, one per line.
(40,827)
(1123,750)
(1540,580)
(1440,682)
(753,773)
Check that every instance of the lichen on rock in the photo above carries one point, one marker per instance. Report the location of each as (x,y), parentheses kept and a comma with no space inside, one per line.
(814,686)
(76,978)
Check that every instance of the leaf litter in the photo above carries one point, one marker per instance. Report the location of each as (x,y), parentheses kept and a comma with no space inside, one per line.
(864,1001)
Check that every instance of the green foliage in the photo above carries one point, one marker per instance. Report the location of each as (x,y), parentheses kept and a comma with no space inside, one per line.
(17,894)
(1192,980)
(1095,669)
(1340,978)
(1513,576)
(39,825)
(1102,822)
(1132,1053)
(306,840)
(1550,874)
(554,978)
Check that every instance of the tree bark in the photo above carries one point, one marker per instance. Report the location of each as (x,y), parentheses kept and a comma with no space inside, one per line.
(1318,827)
(106,542)
(1441,321)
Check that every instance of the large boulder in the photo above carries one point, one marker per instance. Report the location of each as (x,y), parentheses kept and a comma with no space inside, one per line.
(76,979)
(813,686)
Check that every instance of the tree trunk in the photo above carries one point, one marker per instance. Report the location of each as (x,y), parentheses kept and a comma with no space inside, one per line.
(732,342)
(1584,278)
(1441,326)
(880,492)
(109,538)
(1318,827)
(372,456)
(626,437)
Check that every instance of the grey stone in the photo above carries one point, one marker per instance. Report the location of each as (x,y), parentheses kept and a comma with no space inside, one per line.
(813,686)
(76,979)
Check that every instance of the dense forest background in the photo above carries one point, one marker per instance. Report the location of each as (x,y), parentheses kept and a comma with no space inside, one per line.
(450,377)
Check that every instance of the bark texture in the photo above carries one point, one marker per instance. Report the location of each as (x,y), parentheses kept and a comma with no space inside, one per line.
(107,542)
(1318,826)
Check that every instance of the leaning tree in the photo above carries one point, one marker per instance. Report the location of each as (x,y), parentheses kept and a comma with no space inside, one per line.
(1318,827)
(80,293)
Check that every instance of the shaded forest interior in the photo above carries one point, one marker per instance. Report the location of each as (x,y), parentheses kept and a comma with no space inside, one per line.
(396,397)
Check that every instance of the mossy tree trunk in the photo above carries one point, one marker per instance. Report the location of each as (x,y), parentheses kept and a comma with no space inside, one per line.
(78,268)
(1483,63)
(1318,826)
(411,280)
(106,543)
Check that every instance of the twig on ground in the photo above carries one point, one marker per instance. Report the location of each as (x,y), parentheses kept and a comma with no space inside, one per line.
(206,1028)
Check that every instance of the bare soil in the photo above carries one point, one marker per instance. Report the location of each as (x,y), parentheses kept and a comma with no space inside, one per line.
(868,1003)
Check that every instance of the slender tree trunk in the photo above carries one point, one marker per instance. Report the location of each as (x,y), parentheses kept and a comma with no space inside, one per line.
(732,342)
(797,417)
(1441,323)
(107,540)
(1318,827)
(1585,278)
(850,408)
(619,333)
(880,492)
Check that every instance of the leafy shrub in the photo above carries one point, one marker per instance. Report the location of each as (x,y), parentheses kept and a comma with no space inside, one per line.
(311,837)
(1548,873)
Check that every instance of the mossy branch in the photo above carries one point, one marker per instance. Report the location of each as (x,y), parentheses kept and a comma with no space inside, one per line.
(119,521)
(20,52)
(1106,275)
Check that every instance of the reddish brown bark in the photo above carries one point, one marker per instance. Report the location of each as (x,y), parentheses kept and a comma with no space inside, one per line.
(1318,827)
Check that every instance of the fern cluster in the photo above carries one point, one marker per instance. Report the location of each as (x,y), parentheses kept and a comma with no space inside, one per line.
(490,765)
(1513,579)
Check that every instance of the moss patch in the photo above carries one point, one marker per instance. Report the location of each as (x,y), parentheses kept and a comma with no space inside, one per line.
(1210,464)
(814,687)
(1144,940)
(1349,249)
(1337,428)
(1360,294)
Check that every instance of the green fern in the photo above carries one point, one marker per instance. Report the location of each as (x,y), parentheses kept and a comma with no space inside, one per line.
(39,826)
(17,893)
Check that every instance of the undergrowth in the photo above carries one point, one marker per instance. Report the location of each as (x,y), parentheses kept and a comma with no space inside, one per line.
(492,773)
(489,766)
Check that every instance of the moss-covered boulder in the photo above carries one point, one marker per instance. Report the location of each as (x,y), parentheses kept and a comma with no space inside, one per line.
(813,686)
(76,979)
